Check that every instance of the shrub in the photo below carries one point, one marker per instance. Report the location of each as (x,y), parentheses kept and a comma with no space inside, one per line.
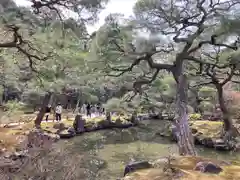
(207,93)
(206,106)
(194,117)
(12,113)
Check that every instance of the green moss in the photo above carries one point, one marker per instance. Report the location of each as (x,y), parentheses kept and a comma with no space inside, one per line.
(185,166)
(207,129)
(194,117)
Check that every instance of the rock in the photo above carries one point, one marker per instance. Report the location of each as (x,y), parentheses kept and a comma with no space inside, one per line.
(66,134)
(122,124)
(78,124)
(208,167)
(104,124)
(136,166)
(59,126)
(154,116)
(134,119)
(90,126)
(71,130)
(220,145)
(208,142)
(143,117)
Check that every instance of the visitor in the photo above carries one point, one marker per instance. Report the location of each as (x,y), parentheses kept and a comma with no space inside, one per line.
(48,111)
(83,109)
(94,110)
(98,107)
(59,112)
(88,107)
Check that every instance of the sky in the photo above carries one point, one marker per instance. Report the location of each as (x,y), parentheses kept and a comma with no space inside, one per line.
(114,6)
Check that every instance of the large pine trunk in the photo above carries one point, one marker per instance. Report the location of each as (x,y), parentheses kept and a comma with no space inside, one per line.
(42,110)
(184,134)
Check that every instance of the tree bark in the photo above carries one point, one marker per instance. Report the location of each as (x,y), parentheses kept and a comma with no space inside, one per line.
(79,104)
(184,134)
(77,108)
(228,125)
(42,110)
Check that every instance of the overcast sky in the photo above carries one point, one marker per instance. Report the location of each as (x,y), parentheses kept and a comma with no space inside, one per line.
(114,6)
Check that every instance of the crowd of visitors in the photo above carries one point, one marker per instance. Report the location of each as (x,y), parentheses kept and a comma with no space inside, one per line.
(92,109)
(88,109)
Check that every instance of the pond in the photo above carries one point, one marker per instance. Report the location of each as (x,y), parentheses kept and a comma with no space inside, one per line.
(103,154)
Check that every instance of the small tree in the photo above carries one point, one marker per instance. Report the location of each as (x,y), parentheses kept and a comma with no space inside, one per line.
(219,74)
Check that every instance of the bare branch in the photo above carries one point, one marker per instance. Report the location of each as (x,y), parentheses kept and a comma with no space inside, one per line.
(214,43)
(22,45)
(137,85)
(145,57)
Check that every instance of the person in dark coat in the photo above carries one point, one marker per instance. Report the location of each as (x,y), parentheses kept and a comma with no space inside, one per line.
(98,109)
(48,111)
(88,107)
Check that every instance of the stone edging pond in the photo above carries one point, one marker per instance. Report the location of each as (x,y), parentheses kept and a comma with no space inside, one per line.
(81,126)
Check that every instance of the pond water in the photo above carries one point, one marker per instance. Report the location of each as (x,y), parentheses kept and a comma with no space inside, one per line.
(103,154)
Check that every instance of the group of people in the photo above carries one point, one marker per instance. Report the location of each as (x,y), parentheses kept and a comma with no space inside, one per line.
(90,109)
(58,112)
(87,108)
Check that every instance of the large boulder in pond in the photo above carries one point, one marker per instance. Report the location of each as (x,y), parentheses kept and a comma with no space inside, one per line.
(131,167)
(78,124)
(208,167)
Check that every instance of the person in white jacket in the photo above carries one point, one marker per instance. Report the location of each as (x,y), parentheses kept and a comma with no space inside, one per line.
(58,112)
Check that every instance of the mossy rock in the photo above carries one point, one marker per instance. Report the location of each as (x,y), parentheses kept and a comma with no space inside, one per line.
(207,129)
(183,168)
(200,129)
(59,126)
(65,134)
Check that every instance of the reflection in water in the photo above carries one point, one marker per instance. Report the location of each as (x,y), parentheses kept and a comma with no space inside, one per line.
(107,152)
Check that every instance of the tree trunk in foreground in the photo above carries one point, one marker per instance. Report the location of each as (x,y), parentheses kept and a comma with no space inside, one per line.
(184,134)
(42,110)
(228,125)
